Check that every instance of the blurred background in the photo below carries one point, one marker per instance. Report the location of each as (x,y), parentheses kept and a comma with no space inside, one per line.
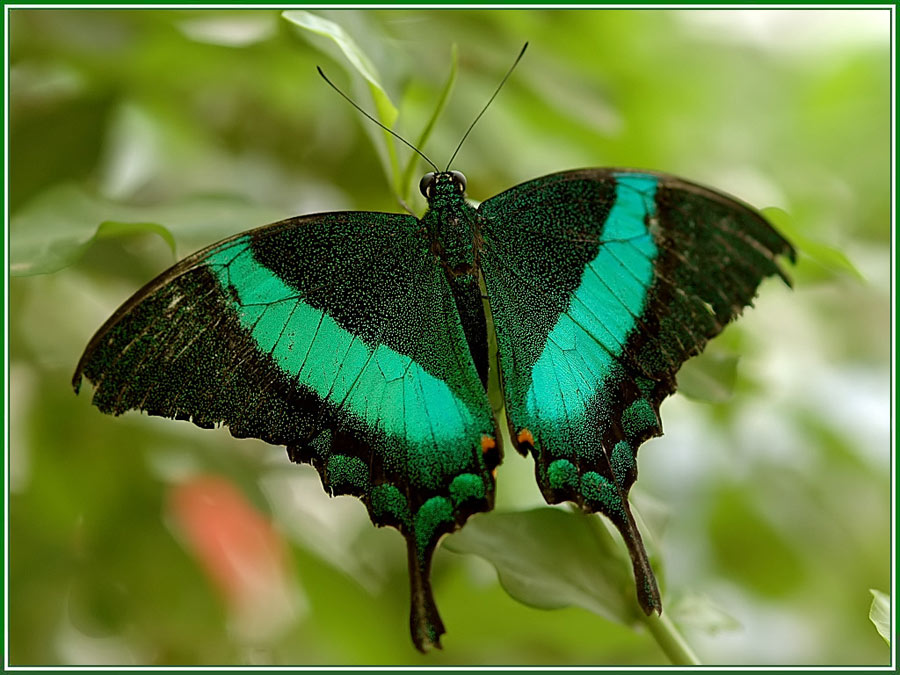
(141,540)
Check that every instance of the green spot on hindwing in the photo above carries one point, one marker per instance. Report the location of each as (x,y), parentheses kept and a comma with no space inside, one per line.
(389,504)
(622,461)
(645,385)
(639,418)
(562,475)
(597,489)
(434,513)
(466,486)
(320,446)
(348,474)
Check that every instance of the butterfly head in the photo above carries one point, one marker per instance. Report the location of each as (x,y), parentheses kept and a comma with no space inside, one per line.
(446,184)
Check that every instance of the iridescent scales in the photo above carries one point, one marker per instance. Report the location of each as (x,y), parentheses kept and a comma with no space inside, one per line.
(359,341)
(378,385)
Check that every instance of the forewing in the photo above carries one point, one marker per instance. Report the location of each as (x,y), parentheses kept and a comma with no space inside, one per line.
(601,284)
(335,335)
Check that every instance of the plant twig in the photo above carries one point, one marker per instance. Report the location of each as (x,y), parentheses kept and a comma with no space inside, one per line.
(670,640)
(660,626)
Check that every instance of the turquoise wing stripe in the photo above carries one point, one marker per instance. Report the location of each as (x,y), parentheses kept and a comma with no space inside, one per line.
(603,309)
(378,385)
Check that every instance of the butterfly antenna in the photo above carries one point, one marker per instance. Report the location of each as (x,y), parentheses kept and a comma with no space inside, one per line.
(390,131)
(497,91)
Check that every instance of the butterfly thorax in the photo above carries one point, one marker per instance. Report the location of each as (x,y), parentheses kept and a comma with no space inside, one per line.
(450,223)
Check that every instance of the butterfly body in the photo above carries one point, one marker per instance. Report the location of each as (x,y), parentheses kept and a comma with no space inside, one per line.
(359,341)
(452,225)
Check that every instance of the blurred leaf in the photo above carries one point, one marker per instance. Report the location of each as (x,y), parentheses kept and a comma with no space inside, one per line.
(549,558)
(653,516)
(709,376)
(755,550)
(236,30)
(828,257)
(698,611)
(880,614)
(59,225)
(131,154)
(54,141)
(385,110)
(54,230)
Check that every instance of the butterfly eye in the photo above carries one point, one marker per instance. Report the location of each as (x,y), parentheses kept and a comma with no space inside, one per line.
(460,181)
(426,184)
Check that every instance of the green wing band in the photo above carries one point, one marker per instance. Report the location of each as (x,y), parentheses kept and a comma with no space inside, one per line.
(586,341)
(384,389)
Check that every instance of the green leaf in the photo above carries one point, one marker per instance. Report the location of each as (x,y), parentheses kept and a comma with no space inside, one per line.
(828,257)
(549,558)
(709,377)
(700,612)
(880,614)
(385,110)
(57,227)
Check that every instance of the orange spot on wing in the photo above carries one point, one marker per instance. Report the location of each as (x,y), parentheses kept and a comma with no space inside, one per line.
(487,444)
(525,436)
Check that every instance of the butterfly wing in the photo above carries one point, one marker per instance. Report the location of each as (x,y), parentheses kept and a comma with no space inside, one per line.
(601,284)
(335,335)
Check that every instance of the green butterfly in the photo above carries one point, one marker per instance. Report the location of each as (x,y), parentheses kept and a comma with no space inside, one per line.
(359,340)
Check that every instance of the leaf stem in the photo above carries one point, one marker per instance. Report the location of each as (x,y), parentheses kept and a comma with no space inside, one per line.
(670,640)
(660,626)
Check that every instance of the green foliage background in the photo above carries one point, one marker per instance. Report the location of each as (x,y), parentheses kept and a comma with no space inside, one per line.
(769,508)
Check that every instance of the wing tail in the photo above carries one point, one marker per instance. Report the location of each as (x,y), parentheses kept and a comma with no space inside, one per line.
(647,588)
(425,623)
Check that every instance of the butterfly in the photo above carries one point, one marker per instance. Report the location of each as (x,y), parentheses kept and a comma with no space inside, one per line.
(360,341)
